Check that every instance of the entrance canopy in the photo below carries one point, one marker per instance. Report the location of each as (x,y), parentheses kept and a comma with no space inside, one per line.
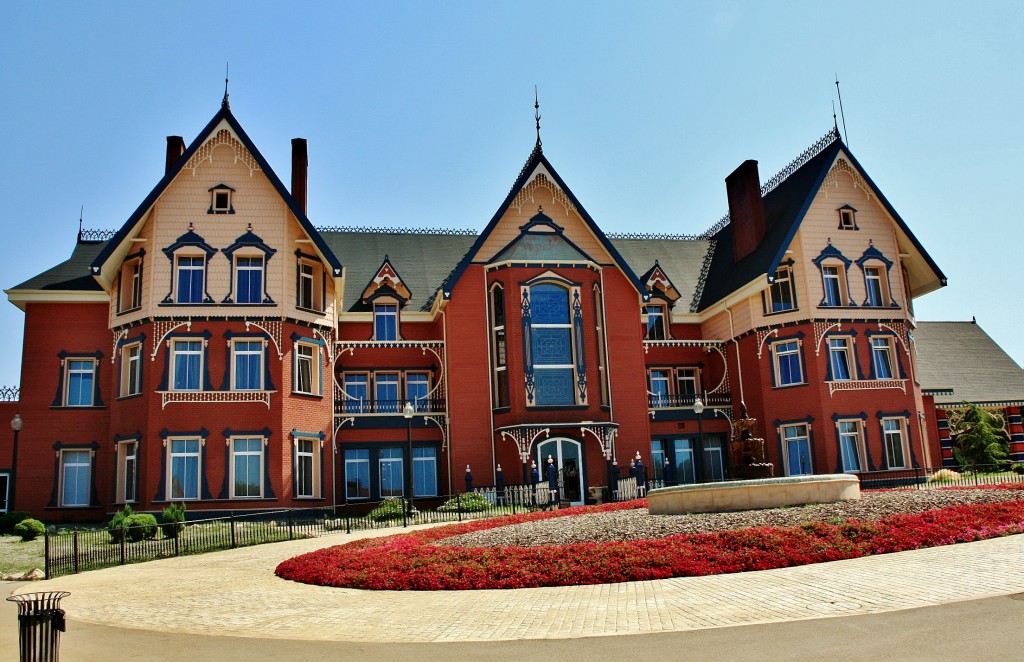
(525,434)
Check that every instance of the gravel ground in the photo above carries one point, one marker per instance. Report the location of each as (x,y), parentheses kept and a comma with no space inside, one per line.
(640,525)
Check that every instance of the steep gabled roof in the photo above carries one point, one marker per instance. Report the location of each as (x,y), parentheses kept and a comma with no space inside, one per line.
(536,160)
(787,198)
(223,115)
(68,280)
(962,358)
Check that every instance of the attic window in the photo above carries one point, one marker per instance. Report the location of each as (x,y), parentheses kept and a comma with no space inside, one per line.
(847,218)
(220,200)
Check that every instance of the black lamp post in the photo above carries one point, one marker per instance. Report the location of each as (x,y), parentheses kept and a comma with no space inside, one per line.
(408,411)
(698,408)
(16,424)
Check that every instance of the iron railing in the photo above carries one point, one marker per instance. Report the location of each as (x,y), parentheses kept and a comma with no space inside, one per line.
(352,407)
(926,478)
(686,400)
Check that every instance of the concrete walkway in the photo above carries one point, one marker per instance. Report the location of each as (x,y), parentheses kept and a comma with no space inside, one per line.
(235,593)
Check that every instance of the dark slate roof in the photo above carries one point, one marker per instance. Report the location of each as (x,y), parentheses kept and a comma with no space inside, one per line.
(423,259)
(784,207)
(71,274)
(680,259)
(962,357)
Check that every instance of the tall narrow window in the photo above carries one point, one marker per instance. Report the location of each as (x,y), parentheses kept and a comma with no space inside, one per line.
(424,471)
(306,376)
(248,365)
(659,389)
(551,345)
(130,293)
(305,479)
(833,286)
(357,392)
(839,359)
(797,447)
(850,444)
(687,381)
(892,432)
(391,476)
(385,321)
(658,458)
(249,280)
(127,471)
(602,359)
(75,467)
(873,283)
(247,467)
(686,471)
(656,325)
(417,386)
(186,360)
(357,473)
(131,369)
(184,461)
(191,270)
(385,386)
(780,292)
(881,358)
(499,346)
(788,368)
(306,286)
(80,382)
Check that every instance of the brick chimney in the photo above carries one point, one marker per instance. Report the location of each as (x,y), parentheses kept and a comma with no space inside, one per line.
(300,166)
(746,210)
(175,148)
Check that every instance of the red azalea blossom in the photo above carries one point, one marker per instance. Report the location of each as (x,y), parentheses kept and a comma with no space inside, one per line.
(411,562)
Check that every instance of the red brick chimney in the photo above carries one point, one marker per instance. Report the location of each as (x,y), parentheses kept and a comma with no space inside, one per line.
(300,166)
(175,148)
(746,210)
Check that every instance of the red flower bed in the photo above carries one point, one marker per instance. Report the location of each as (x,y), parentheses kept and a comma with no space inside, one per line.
(411,562)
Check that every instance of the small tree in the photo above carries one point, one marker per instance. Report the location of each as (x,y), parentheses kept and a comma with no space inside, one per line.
(979,438)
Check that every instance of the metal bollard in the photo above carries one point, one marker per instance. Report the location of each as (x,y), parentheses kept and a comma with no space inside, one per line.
(40,622)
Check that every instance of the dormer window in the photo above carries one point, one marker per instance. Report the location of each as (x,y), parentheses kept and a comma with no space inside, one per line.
(130,288)
(657,328)
(847,218)
(385,321)
(781,296)
(833,266)
(309,287)
(221,200)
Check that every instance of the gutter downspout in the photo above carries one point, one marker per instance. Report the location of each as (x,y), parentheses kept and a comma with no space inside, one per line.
(448,430)
(739,366)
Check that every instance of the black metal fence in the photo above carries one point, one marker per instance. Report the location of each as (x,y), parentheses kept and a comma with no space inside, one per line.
(926,478)
(80,550)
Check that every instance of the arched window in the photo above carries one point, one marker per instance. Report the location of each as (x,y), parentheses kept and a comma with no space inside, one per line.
(499,347)
(552,335)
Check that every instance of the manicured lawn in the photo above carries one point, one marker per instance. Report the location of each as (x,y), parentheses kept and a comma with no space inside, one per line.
(412,562)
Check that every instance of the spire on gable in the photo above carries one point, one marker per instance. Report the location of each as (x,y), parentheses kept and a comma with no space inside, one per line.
(386,282)
(536,114)
(225,103)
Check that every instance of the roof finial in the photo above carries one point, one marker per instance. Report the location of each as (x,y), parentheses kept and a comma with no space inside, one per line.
(835,125)
(81,213)
(846,138)
(536,113)
(225,103)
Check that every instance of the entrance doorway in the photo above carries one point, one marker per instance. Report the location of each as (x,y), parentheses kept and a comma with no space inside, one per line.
(5,480)
(568,457)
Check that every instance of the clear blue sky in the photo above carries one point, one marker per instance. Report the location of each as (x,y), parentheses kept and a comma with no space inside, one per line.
(421,114)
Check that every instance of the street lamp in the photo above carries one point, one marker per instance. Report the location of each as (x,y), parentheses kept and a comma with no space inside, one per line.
(16,424)
(408,411)
(698,408)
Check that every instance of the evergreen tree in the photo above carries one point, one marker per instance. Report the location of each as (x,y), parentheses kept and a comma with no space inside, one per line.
(979,438)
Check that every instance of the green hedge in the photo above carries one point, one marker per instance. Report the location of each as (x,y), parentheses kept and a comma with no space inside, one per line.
(29,529)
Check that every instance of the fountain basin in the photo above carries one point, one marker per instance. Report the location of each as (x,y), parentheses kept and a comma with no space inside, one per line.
(752,494)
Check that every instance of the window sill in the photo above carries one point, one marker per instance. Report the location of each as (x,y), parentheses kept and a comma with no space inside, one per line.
(310,310)
(130,396)
(502,410)
(558,408)
(183,304)
(129,310)
(78,408)
(307,396)
(73,508)
(781,312)
(783,386)
(309,498)
(852,306)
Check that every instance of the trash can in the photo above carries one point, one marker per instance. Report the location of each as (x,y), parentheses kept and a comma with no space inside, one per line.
(40,622)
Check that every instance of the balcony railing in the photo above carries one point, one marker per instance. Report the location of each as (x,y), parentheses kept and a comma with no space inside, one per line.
(351,407)
(686,400)
(865,384)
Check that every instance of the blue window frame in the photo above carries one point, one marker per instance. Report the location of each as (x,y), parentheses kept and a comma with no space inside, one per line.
(190,279)
(424,471)
(788,369)
(187,360)
(551,345)
(357,473)
(80,382)
(385,321)
(249,280)
(248,373)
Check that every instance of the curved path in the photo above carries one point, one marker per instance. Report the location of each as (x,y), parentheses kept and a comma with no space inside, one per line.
(236,593)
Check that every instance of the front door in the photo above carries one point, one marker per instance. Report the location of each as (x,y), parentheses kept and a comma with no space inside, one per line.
(568,460)
(4,485)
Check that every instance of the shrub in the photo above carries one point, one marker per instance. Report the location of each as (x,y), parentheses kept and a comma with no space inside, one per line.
(173,520)
(1018,469)
(9,520)
(29,529)
(943,475)
(116,526)
(389,509)
(470,502)
(139,526)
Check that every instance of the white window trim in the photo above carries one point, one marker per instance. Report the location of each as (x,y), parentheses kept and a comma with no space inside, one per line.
(66,453)
(663,376)
(858,444)
(122,470)
(314,368)
(236,352)
(785,445)
(314,469)
(131,367)
(357,461)
(261,268)
(777,366)
(777,281)
(889,351)
(901,430)
(175,352)
(247,453)
(662,314)
(68,371)
(221,209)
(378,311)
(681,376)
(201,268)
(840,279)
(846,350)
(198,454)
